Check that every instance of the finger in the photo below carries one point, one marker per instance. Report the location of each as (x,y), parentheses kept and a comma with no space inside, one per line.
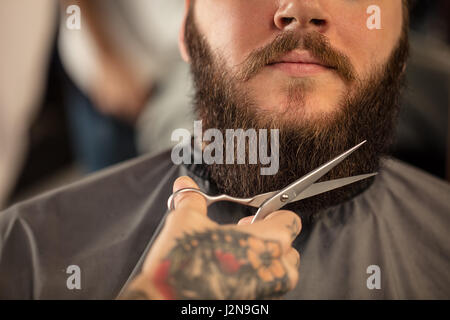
(293,274)
(283,226)
(190,201)
(245,221)
(293,258)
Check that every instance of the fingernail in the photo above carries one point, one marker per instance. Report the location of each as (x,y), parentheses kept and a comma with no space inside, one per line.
(246,220)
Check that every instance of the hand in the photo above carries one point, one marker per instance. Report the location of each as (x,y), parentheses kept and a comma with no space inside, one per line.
(116,90)
(196,258)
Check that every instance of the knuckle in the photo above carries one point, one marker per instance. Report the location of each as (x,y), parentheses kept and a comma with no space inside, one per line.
(295,275)
(290,216)
(286,239)
(281,214)
(298,258)
(298,220)
(287,213)
(179,198)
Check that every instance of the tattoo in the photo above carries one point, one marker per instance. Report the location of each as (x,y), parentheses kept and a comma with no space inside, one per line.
(134,294)
(216,263)
(293,227)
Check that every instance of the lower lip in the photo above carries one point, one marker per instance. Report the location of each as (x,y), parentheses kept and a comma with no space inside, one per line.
(299,69)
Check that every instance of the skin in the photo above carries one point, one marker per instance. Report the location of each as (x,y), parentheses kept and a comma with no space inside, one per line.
(233,29)
(244,261)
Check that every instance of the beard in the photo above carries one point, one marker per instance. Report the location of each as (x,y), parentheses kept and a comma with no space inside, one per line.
(367,112)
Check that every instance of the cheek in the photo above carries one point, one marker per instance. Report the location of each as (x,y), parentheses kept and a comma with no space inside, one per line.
(368,48)
(236,27)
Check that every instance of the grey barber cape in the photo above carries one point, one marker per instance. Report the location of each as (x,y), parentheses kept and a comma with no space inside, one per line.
(390,242)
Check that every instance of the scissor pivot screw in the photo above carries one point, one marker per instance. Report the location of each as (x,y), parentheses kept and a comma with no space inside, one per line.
(284,197)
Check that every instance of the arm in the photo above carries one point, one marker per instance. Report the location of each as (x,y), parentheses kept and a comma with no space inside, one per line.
(92,16)
(116,90)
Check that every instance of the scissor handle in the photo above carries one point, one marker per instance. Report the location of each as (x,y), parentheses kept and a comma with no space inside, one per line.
(209,199)
(171,200)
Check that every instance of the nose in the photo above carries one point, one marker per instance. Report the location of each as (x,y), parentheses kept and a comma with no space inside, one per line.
(304,14)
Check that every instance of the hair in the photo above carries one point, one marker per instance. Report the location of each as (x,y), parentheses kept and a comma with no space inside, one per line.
(407,5)
(370,113)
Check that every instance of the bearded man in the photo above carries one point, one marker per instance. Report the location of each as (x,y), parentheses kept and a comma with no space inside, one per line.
(317,73)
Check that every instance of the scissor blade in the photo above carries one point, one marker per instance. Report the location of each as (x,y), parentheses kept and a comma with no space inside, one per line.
(292,191)
(314,190)
(326,186)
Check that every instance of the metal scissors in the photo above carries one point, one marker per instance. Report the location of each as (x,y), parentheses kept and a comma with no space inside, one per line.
(267,203)
(302,188)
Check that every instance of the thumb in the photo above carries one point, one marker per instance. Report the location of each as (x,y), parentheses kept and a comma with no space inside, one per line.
(189,200)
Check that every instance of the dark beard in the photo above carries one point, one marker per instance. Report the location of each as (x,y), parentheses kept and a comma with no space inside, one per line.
(368,114)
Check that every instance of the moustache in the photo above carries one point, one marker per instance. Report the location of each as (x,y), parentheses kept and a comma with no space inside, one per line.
(316,43)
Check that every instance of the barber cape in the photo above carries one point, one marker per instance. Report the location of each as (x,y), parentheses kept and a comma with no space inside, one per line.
(390,242)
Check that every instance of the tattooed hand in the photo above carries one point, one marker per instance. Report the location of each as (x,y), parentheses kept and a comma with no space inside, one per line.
(195,258)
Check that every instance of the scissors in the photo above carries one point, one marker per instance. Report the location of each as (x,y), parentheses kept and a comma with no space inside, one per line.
(302,188)
(267,203)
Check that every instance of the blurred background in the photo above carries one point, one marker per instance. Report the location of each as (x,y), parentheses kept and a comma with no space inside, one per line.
(82,91)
